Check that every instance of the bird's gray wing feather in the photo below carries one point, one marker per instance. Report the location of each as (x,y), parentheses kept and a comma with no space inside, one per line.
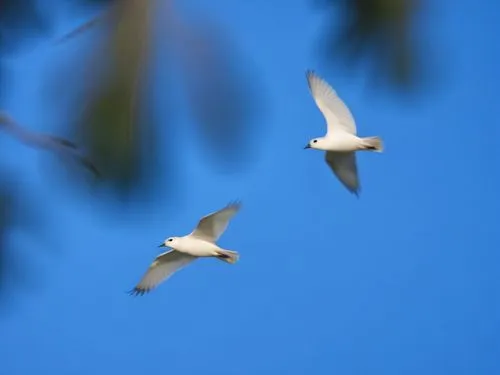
(164,266)
(337,114)
(211,226)
(344,166)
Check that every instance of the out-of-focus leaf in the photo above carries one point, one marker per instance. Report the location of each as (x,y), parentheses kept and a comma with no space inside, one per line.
(380,28)
(111,125)
(222,99)
(19,19)
(114,131)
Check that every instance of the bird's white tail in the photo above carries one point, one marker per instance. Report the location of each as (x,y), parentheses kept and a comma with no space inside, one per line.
(228,256)
(372,144)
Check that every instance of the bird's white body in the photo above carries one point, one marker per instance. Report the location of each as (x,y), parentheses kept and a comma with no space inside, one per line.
(340,141)
(195,246)
(201,243)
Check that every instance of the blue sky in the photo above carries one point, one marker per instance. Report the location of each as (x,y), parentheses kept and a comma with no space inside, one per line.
(404,280)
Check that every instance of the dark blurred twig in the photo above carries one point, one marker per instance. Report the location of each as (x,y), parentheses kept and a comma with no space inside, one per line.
(55,144)
(82,28)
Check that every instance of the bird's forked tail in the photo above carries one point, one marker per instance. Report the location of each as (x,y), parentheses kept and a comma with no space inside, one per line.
(372,144)
(228,256)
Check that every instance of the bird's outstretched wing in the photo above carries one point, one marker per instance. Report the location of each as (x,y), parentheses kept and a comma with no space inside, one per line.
(164,266)
(344,166)
(338,117)
(211,227)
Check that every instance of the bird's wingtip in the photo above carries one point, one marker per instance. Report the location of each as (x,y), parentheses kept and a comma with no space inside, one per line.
(235,204)
(311,73)
(137,291)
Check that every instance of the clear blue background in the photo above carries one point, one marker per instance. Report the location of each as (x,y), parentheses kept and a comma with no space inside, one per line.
(404,280)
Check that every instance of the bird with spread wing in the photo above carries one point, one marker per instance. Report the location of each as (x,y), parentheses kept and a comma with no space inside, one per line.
(340,141)
(201,242)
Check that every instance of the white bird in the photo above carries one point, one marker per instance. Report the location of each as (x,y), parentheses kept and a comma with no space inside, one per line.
(199,243)
(340,141)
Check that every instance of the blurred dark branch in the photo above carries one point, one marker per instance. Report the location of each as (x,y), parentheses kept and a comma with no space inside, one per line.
(54,144)
(83,28)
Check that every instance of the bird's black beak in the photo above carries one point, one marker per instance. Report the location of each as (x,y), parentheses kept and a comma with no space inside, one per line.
(162,245)
(307,146)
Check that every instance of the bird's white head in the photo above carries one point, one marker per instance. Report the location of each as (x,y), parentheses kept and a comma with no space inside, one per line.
(170,242)
(317,144)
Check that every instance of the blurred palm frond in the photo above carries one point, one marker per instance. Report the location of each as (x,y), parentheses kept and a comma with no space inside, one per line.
(220,88)
(110,125)
(112,122)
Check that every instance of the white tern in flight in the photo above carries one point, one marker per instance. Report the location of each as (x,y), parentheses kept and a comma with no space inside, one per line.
(340,141)
(199,243)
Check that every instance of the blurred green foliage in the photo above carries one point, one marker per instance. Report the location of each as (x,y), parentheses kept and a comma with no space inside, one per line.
(19,19)
(117,128)
(119,132)
(380,29)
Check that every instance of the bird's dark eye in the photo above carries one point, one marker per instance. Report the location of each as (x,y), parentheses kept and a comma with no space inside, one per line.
(315,141)
(169,240)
